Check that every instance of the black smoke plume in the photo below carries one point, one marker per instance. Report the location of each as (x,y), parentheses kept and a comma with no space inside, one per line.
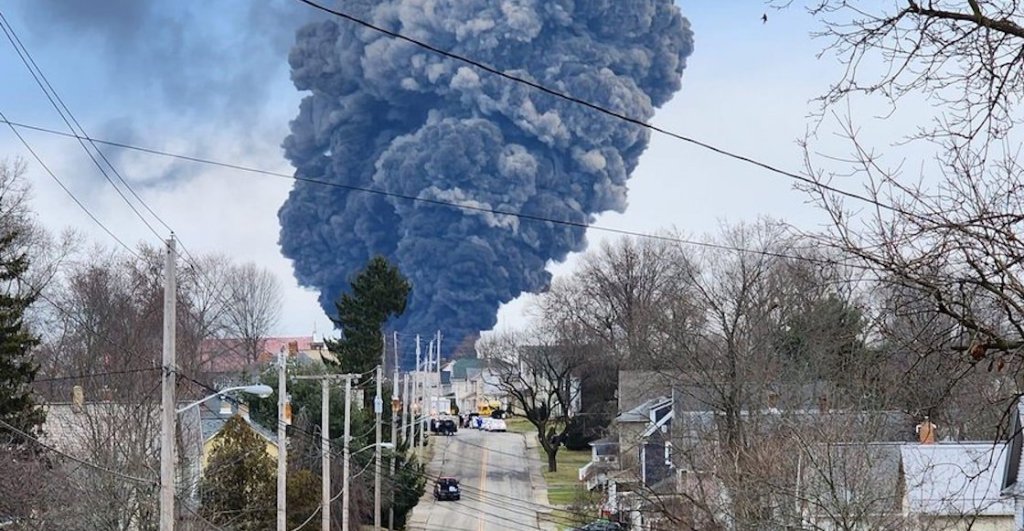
(388,115)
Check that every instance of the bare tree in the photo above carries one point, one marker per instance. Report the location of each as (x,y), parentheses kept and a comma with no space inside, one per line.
(951,233)
(619,293)
(254,308)
(539,374)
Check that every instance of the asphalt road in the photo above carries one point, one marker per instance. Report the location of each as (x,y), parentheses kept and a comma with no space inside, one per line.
(494,472)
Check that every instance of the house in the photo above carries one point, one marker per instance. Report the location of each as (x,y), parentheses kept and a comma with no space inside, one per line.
(121,435)
(1012,486)
(604,459)
(471,383)
(226,360)
(215,413)
(957,485)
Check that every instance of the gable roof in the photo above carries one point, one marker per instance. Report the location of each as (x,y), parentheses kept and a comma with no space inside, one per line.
(460,368)
(224,355)
(956,479)
(212,421)
(642,413)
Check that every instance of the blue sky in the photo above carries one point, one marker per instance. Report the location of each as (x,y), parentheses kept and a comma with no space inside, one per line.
(211,79)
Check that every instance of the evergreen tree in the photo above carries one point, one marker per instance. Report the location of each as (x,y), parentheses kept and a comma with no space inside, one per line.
(378,293)
(239,486)
(303,498)
(17,371)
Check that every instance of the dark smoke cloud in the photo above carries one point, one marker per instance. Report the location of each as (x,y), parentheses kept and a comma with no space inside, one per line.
(385,114)
(191,56)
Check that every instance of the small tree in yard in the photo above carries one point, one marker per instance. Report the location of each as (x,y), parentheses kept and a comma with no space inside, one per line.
(238,489)
(540,378)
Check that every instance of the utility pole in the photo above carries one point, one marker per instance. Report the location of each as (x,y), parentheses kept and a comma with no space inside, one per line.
(345,455)
(282,442)
(378,409)
(423,396)
(416,397)
(440,398)
(325,445)
(167,412)
(394,436)
(406,416)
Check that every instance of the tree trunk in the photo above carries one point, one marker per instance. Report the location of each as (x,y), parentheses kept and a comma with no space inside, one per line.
(552,462)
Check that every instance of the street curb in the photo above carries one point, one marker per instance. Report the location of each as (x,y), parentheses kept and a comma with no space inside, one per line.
(537,482)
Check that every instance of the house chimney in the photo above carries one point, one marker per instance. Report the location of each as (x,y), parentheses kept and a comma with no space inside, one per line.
(77,399)
(926,431)
(293,348)
(243,410)
(225,407)
(823,404)
(107,394)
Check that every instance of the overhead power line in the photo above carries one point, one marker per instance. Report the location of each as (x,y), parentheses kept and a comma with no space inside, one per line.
(94,375)
(426,200)
(595,107)
(67,190)
(65,113)
(12,429)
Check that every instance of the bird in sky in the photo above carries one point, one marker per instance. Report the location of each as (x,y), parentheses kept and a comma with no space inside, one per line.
(764,18)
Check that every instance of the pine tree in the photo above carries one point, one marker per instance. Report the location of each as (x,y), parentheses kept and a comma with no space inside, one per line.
(17,370)
(238,487)
(378,293)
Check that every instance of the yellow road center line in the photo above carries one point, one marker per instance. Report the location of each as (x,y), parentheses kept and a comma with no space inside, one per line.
(483,484)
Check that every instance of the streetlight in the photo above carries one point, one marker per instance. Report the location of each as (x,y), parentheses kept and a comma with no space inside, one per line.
(167,441)
(385,445)
(260,390)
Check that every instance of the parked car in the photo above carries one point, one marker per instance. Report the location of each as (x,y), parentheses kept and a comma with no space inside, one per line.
(447,489)
(447,427)
(494,425)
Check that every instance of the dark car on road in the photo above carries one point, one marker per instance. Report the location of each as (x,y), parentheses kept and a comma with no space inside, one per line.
(447,427)
(447,489)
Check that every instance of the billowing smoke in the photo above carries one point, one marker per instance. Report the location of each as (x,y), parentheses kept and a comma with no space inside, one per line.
(388,115)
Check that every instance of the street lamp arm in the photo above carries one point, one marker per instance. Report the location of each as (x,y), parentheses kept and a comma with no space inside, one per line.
(261,391)
(383,445)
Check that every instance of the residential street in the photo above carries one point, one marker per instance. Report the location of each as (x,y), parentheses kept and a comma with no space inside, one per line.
(497,490)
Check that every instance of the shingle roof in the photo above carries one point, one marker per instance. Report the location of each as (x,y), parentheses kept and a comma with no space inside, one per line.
(212,421)
(956,479)
(642,413)
(460,367)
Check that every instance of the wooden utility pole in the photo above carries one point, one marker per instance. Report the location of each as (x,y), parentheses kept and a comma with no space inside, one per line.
(282,441)
(325,445)
(378,410)
(395,412)
(168,412)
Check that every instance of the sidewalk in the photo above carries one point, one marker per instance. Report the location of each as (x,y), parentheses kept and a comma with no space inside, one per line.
(419,516)
(540,487)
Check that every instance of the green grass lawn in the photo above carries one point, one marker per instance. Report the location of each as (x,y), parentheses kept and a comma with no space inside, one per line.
(519,425)
(564,488)
(564,484)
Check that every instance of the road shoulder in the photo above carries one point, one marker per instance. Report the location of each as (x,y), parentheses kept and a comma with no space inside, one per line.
(537,483)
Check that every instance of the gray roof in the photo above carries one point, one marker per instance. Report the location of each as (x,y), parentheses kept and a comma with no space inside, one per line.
(212,421)
(642,413)
(635,387)
(461,366)
(956,478)
(865,476)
